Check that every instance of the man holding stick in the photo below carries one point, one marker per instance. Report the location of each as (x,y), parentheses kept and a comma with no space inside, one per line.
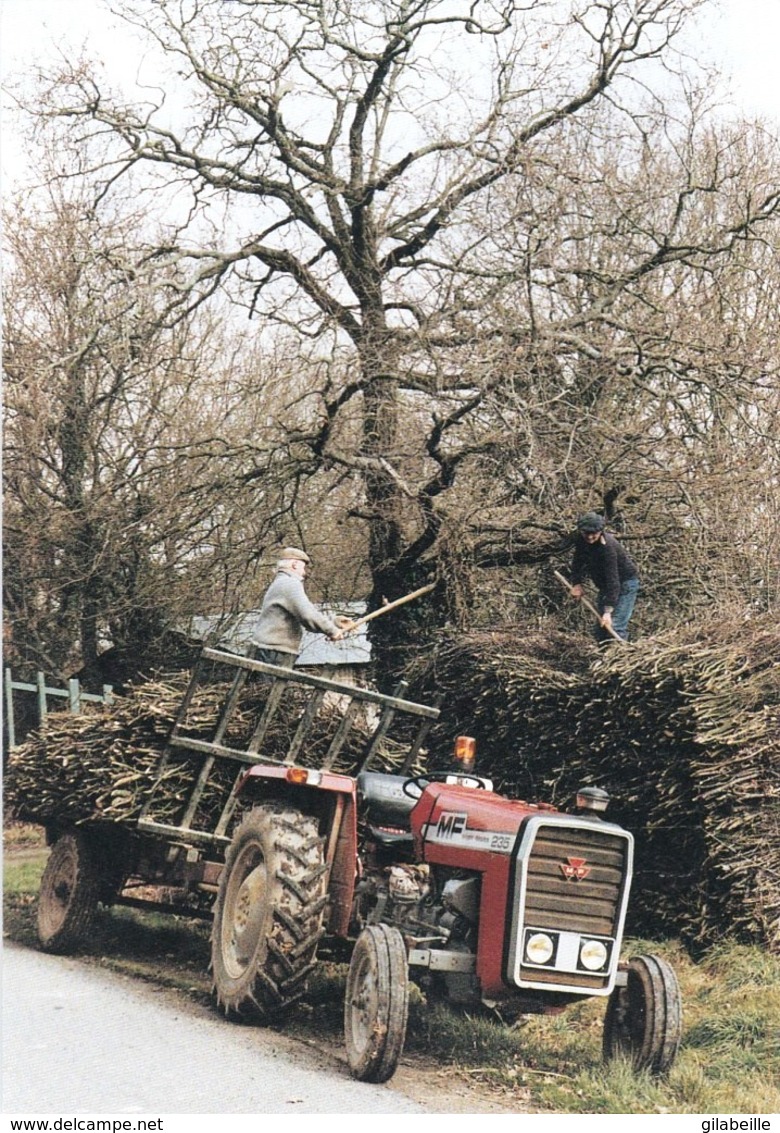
(600,557)
(286,611)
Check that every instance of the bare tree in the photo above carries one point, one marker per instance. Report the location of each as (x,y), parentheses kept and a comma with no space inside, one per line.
(322,120)
(414,192)
(651,392)
(136,467)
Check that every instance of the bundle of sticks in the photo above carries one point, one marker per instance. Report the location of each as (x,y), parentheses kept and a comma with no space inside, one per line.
(101,766)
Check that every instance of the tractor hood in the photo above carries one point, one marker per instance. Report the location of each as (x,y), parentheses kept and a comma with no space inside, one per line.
(469,818)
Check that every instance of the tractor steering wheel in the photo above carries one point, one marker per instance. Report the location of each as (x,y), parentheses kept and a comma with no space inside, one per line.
(415,786)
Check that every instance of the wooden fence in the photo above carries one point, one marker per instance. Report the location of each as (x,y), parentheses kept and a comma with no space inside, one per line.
(73,694)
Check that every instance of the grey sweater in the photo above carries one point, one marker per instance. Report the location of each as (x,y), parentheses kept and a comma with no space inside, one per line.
(285,613)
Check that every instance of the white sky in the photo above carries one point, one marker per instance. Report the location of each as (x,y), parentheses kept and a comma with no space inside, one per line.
(742,36)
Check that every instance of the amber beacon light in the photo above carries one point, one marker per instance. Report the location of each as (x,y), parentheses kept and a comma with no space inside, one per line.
(465,752)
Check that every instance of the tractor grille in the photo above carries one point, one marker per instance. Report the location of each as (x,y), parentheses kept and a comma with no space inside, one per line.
(590,904)
(575,883)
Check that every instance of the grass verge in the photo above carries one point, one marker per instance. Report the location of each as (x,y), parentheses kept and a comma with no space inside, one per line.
(729,1062)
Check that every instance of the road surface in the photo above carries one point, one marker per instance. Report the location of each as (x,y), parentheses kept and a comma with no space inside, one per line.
(78,1039)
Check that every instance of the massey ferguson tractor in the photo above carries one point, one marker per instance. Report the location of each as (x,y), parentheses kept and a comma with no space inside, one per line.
(431,877)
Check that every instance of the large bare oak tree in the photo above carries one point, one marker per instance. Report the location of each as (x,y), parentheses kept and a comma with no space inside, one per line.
(453,209)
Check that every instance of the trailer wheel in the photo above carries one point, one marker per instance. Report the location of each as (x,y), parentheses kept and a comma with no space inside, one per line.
(644,1018)
(69,893)
(376,1003)
(268,912)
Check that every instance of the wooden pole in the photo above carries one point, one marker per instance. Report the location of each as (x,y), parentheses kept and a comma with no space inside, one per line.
(589,606)
(9,710)
(392,605)
(40,682)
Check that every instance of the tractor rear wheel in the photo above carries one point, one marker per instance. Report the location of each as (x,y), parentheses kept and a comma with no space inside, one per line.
(376,1003)
(644,1018)
(268,912)
(69,893)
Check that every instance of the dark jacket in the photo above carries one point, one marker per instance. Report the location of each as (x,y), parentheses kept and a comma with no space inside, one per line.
(606,562)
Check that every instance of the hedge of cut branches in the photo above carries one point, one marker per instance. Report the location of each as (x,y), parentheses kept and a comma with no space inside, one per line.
(683,730)
(101,766)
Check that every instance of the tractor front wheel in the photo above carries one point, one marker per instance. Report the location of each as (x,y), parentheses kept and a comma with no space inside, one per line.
(69,893)
(268,912)
(644,1018)
(376,1003)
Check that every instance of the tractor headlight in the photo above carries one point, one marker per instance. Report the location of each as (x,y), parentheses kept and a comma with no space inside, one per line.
(539,948)
(593,955)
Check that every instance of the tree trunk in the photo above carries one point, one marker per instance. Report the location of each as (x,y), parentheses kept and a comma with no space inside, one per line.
(386,503)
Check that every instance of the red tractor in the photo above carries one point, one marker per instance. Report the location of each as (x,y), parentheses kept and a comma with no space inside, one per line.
(484,900)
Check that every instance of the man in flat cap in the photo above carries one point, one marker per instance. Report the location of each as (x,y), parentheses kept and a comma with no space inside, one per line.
(286,612)
(600,557)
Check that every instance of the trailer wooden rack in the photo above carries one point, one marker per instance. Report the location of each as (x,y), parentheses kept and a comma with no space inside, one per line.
(214,749)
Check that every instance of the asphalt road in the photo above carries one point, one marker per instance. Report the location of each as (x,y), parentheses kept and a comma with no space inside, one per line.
(77,1039)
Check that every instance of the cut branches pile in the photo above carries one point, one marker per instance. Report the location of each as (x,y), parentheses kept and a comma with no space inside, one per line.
(102,765)
(684,733)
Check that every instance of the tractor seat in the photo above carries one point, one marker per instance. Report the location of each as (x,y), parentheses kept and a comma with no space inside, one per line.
(384,806)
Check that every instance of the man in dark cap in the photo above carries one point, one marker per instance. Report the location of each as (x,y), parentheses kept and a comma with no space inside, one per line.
(286,612)
(600,557)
